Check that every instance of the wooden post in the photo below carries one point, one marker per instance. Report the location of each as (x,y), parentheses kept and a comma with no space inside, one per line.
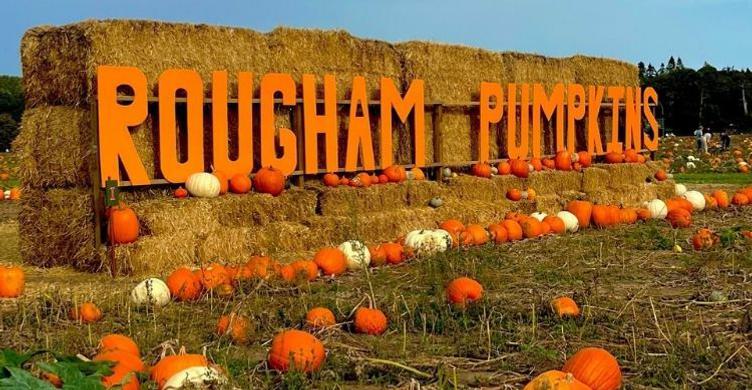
(296,118)
(437,140)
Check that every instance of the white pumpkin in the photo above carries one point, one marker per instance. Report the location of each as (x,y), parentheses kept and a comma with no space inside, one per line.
(657,209)
(680,189)
(539,216)
(447,172)
(494,170)
(203,185)
(356,253)
(696,198)
(6,194)
(691,165)
(151,291)
(571,223)
(428,241)
(198,377)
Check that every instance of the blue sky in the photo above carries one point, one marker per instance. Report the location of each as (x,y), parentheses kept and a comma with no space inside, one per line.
(716,31)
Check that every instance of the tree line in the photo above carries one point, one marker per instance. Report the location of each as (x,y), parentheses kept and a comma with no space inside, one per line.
(688,98)
(11,108)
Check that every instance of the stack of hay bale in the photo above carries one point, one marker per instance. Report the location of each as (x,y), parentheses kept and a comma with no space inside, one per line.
(58,152)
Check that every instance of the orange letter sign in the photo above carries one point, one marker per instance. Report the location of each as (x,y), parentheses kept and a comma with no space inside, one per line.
(488,115)
(615,94)
(244,163)
(575,111)
(320,124)
(549,105)
(633,124)
(359,132)
(650,96)
(270,84)
(595,98)
(413,101)
(115,143)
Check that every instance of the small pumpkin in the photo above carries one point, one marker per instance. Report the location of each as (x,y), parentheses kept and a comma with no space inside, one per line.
(614,158)
(331,180)
(296,350)
(85,313)
(257,267)
(213,276)
(236,326)
(571,223)
(361,180)
(739,199)
(395,173)
(475,233)
(520,168)
(631,156)
(504,168)
(463,290)
(122,225)
(124,371)
(514,194)
(173,366)
(722,198)
(203,185)
(657,208)
(531,228)
(660,175)
(548,163)
(417,174)
(269,180)
(565,307)
(555,380)
(151,291)
(452,226)
(679,218)
(12,281)
(595,367)
(305,269)
(584,158)
(394,252)
(370,321)
(556,223)
(498,233)
(563,161)
(481,169)
(428,241)
(704,239)
(514,230)
(240,184)
(180,193)
(14,193)
(436,202)
(582,210)
(378,255)
(320,317)
(537,164)
(331,261)
(184,285)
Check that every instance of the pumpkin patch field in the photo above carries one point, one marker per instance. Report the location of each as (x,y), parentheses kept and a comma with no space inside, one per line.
(636,305)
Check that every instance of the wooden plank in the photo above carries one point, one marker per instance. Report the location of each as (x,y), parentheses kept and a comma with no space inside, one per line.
(94,171)
(437,140)
(296,118)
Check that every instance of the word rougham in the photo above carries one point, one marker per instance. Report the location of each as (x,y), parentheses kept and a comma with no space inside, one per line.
(278,146)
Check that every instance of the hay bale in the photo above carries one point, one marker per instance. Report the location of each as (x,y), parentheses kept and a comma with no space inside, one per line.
(603,71)
(614,176)
(157,255)
(54,147)
(56,227)
(465,187)
(345,200)
(625,195)
(555,182)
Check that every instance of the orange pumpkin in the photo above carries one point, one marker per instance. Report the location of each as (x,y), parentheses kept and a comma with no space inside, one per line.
(375,179)
(679,218)
(370,321)
(739,199)
(614,158)
(126,366)
(269,180)
(184,285)
(213,276)
(344,181)
(478,235)
(85,313)
(563,160)
(531,228)
(361,180)
(383,179)
(240,184)
(296,350)
(520,168)
(565,307)
(722,198)
(555,223)
(555,380)
(504,168)
(122,225)
(378,255)
(660,175)
(331,261)
(514,230)
(628,215)
(536,163)
(452,226)
(223,182)
(514,194)
(180,193)
(299,270)
(631,156)
(395,252)
(582,210)
(118,342)
(235,326)
(463,290)
(641,158)
(595,367)
(331,180)
(257,267)
(171,365)
(12,281)
(545,228)
(602,216)
(704,239)
(498,233)
(418,174)
(584,158)
(643,214)
(320,317)
(710,202)
(549,163)
(395,173)
(679,203)
(481,169)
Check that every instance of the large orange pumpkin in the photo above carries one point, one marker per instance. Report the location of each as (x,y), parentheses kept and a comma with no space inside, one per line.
(565,307)
(498,233)
(118,342)
(601,216)
(331,180)
(514,230)
(463,290)
(556,224)
(628,215)
(223,182)
(370,321)
(475,234)
(520,168)
(378,255)
(481,169)
(122,225)
(240,184)
(563,160)
(582,210)
(331,261)
(171,365)
(395,173)
(236,326)
(721,197)
(679,218)
(555,380)
(614,158)
(269,180)
(12,281)
(296,350)
(531,228)
(596,368)
(184,285)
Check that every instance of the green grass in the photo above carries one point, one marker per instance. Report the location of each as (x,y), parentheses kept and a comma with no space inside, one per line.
(714,178)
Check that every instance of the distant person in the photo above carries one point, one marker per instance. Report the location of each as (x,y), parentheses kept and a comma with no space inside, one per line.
(725,140)
(699,138)
(706,140)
